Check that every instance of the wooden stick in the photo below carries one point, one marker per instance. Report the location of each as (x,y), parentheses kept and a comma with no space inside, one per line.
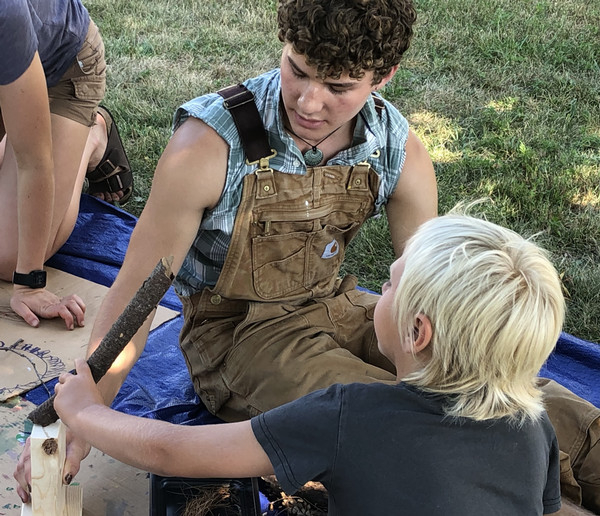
(121,332)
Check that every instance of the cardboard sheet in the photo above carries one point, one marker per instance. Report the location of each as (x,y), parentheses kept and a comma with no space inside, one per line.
(31,356)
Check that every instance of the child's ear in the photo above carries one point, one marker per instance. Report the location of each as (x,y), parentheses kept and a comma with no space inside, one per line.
(421,336)
(423,331)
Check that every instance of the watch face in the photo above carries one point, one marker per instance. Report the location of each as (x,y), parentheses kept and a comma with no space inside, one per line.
(38,279)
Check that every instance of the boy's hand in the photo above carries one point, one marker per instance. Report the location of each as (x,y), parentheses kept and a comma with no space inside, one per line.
(33,303)
(76,392)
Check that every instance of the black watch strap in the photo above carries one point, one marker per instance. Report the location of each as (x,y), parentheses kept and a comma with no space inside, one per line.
(35,279)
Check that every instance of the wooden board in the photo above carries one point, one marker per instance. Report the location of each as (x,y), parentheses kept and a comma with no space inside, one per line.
(31,356)
(73,502)
(109,486)
(49,496)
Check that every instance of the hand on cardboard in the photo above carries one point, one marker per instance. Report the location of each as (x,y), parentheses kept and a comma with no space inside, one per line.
(31,303)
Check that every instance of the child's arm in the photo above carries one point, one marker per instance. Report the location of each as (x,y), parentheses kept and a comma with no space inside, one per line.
(223,450)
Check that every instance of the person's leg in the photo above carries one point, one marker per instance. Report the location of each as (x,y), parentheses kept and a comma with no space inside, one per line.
(76,97)
(279,353)
(71,154)
(78,132)
(577,426)
(69,138)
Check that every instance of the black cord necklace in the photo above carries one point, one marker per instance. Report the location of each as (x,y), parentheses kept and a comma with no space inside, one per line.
(314,155)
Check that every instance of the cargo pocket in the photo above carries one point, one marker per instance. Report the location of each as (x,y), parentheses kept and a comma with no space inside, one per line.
(278,264)
(89,88)
(90,58)
(204,349)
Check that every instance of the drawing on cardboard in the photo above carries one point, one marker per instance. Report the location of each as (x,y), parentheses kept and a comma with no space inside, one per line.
(24,365)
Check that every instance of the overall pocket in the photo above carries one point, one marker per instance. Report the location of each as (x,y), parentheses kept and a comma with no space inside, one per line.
(300,251)
(278,264)
(325,253)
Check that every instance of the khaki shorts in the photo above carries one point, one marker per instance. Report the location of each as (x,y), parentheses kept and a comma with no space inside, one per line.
(82,86)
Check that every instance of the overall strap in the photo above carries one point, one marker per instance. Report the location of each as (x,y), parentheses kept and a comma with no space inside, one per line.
(379,104)
(239,101)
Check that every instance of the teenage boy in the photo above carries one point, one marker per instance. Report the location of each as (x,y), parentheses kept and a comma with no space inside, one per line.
(257,220)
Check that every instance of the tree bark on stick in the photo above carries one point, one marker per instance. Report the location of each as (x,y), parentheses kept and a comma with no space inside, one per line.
(119,335)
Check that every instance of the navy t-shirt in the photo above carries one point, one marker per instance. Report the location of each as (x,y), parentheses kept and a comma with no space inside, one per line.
(389,449)
(54,28)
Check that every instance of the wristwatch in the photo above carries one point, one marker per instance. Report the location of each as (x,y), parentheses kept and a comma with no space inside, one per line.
(35,279)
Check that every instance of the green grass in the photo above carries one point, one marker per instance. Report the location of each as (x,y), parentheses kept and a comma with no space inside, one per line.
(505,94)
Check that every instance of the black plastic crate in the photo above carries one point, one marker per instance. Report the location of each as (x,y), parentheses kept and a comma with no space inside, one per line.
(169,496)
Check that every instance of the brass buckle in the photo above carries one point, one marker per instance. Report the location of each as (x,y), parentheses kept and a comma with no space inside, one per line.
(263,162)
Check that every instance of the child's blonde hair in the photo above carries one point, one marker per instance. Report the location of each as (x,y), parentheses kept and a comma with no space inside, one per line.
(496,307)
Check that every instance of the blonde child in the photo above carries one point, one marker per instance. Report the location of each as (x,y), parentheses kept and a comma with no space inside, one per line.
(470,314)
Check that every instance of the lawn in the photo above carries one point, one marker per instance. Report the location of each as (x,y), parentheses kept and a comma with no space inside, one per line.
(505,95)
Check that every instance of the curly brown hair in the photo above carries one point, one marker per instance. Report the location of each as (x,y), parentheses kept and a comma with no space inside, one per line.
(348,36)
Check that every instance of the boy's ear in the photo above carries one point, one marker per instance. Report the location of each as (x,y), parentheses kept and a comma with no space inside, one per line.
(386,79)
(423,332)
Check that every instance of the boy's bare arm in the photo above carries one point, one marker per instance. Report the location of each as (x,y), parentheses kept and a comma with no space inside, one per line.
(415,199)
(189,178)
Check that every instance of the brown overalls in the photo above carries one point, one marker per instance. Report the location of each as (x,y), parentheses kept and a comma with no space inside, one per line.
(279,323)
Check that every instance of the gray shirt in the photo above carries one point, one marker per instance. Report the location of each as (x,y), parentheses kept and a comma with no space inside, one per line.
(389,449)
(54,28)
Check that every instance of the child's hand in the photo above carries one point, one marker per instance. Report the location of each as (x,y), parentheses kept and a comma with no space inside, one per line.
(74,393)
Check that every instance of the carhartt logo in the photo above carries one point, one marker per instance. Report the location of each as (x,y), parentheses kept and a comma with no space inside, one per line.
(331,250)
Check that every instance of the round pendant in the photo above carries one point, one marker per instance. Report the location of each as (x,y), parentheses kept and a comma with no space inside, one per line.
(313,157)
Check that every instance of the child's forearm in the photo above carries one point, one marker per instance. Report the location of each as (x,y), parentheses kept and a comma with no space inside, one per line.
(125,438)
(172,450)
